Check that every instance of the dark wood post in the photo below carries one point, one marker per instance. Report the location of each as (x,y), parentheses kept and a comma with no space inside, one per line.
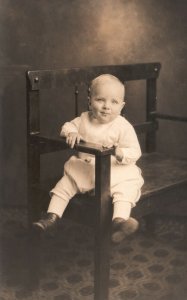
(33,151)
(150,114)
(33,179)
(103,227)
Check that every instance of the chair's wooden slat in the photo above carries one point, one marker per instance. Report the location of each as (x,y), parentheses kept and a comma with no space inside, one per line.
(48,144)
(46,79)
(169,117)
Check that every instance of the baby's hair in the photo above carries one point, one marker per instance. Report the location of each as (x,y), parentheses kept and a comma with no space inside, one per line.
(103,79)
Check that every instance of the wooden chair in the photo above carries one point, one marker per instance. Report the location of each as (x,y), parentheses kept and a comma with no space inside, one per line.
(165,178)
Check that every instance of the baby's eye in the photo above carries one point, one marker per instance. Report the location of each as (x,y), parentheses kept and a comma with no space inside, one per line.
(99,99)
(114,101)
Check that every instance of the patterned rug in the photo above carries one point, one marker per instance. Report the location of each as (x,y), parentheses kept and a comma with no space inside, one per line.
(142,267)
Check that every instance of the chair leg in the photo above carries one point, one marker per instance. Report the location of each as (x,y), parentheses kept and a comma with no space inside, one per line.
(103,226)
(102,267)
(34,244)
(34,260)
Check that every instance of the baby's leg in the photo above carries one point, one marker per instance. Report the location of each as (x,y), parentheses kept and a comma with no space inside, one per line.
(125,196)
(64,190)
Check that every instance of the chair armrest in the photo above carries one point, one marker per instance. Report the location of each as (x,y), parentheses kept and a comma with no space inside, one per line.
(169,117)
(49,144)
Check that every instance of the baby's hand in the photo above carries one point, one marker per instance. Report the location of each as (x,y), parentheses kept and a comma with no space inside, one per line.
(73,138)
(118,153)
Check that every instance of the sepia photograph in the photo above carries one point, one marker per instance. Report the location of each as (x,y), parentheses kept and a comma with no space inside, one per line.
(93,150)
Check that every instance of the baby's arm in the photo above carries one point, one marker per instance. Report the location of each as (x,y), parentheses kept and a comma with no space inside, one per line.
(71,131)
(118,154)
(73,138)
(128,149)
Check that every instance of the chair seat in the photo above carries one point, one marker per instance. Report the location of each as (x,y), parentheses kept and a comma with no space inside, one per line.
(160,173)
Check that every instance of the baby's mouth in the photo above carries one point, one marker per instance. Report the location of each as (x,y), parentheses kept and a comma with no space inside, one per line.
(104,113)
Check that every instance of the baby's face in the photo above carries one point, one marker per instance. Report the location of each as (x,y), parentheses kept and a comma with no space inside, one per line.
(107,102)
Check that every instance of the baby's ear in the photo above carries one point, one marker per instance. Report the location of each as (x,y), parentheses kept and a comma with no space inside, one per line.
(89,102)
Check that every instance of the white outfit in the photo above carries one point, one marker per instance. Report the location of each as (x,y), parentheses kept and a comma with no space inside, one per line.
(79,171)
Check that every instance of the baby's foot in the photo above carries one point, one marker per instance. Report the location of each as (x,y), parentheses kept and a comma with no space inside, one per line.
(48,221)
(122,228)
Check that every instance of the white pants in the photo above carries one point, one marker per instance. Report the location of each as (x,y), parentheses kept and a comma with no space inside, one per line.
(124,194)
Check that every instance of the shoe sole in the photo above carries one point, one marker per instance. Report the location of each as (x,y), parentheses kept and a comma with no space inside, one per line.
(38,227)
(124,229)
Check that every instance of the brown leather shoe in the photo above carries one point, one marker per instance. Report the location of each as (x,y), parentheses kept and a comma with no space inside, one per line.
(48,221)
(122,228)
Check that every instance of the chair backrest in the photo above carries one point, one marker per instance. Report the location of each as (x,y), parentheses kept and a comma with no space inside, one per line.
(51,79)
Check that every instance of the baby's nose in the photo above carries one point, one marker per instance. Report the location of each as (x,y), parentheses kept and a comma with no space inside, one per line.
(106,106)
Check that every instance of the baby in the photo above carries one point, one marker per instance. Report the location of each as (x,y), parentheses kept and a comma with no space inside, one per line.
(102,125)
